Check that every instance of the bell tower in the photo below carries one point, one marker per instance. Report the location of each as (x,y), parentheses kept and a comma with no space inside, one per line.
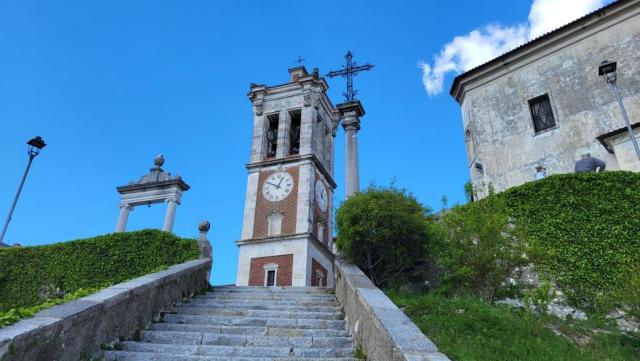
(287,230)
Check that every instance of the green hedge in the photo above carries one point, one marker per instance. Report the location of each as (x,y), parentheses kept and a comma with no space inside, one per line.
(31,275)
(587,229)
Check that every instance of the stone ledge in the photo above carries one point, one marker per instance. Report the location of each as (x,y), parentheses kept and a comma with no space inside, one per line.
(76,330)
(378,326)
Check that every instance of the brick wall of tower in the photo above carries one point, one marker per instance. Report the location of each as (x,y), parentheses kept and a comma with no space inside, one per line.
(315,267)
(287,206)
(283,274)
(319,215)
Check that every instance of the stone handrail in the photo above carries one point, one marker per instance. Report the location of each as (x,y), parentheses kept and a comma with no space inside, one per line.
(78,329)
(378,326)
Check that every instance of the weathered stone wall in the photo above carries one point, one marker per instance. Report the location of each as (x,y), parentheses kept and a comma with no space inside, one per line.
(76,330)
(383,331)
(495,107)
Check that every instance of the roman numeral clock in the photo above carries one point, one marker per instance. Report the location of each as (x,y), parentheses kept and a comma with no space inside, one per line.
(286,230)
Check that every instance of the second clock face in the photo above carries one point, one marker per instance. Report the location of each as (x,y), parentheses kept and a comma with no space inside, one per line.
(321,196)
(277,186)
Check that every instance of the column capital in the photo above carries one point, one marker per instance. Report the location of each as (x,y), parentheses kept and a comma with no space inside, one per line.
(350,113)
(127,206)
(172,199)
(353,108)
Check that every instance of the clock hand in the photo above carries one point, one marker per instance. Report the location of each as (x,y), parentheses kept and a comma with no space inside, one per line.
(275,185)
(281,179)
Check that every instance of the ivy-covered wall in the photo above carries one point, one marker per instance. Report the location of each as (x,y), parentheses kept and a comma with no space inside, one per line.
(31,275)
(586,230)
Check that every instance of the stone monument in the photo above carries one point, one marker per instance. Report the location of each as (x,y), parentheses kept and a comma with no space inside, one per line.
(156,187)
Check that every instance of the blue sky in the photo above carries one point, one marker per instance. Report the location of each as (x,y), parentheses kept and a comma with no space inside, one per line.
(109,84)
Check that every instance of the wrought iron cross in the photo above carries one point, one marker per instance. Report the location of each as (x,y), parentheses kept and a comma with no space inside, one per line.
(348,71)
(300,60)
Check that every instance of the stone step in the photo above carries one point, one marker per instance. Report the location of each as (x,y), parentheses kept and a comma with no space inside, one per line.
(256,321)
(305,290)
(190,310)
(268,296)
(260,305)
(248,330)
(281,302)
(149,356)
(230,351)
(205,338)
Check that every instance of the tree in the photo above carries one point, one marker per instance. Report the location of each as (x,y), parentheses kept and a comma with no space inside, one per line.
(384,231)
(477,249)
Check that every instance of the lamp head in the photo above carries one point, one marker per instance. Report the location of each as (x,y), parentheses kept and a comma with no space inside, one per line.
(608,70)
(35,146)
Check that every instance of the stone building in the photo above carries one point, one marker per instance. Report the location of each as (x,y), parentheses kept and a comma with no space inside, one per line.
(543,103)
(287,230)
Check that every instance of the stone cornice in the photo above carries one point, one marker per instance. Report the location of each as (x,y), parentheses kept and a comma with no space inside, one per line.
(295,159)
(289,237)
(177,182)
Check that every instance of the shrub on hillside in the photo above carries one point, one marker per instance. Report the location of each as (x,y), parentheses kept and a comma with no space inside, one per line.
(587,227)
(31,275)
(384,231)
(477,249)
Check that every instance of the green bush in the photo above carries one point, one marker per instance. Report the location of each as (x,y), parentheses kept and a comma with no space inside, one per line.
(477,250)
(30,276)
(384,231)
(587,229)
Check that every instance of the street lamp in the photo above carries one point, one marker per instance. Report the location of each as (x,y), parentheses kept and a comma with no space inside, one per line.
(35,146)
(607,70)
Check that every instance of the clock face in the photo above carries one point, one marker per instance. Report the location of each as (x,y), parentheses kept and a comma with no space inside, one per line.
(277,186)
(321,196)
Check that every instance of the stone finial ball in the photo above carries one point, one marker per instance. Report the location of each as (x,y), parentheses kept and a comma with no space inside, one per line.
(204,226)
(158,160)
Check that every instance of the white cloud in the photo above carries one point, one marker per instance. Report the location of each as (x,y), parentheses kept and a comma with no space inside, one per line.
(465,52)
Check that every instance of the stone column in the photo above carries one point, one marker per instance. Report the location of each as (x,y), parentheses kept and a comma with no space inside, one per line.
(170,215)
(123,217)
(351,113)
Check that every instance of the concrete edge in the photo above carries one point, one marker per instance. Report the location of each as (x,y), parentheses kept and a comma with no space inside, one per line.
(383,331)
(77,330)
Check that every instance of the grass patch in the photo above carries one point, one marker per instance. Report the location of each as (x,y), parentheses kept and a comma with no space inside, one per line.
(467,329)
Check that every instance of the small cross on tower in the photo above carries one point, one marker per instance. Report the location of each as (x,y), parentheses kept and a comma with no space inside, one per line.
(349,70)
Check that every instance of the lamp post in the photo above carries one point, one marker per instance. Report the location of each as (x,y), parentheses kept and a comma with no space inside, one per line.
(35,146)
(607,70)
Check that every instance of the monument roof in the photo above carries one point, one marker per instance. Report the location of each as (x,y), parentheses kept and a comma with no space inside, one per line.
(156,177)
(515,54)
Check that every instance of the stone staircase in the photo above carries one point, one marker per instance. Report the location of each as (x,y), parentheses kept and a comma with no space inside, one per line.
(247,324)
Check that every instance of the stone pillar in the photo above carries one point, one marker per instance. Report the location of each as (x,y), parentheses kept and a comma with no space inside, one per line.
(170,215)
(204,246)
(351,113)
(121,226)
(203,243)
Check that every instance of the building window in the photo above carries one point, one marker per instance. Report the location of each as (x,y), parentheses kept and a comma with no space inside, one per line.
(272,134)
(294,132)
(270,274)
(541,113)
(274,223)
